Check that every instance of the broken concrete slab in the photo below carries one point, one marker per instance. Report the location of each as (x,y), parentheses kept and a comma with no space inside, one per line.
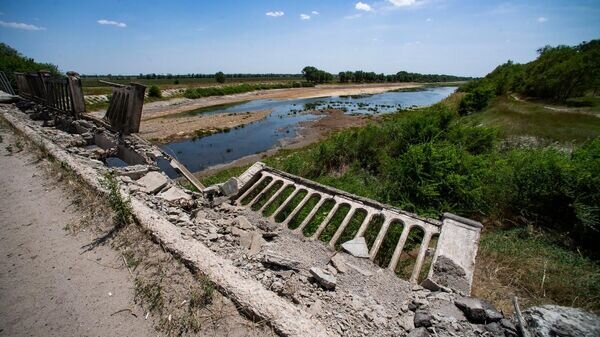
(324,279)
(339,263)
(230,187)
(243,223)
(477,310)
(555,320)
(153,182)
(174,194)
(419,332)
(356,247)
(423,319)
(273,259)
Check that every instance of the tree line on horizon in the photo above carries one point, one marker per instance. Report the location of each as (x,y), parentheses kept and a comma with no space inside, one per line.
(314,75)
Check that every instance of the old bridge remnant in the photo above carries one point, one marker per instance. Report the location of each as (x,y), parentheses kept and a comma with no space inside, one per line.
(457,238)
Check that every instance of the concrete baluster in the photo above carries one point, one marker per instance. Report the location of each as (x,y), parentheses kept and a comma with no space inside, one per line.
(399,247)
(275,195)
(421,257)
(380,236)
(259,195)
(282,206)
(250,189)
(365,223)
(326,220)
(297,209)
(343,226)
(312,213)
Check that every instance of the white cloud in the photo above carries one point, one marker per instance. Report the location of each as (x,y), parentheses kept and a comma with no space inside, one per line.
(112,23)
(315,13)
(542,19)
(304,17)
(403,3)
(355,16)
(361,6)
(275,14)
(20,25)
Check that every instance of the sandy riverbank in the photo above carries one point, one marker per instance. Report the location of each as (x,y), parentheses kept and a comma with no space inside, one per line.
(178,105)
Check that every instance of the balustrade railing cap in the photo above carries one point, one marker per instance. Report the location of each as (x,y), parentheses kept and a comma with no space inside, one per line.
(463,220)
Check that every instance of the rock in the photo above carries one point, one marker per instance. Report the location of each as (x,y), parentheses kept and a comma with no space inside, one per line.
(554,320)
(407,321)
(418,332)
(326,280)
(509,326)
(134,171)
(478,311)
(269,258)
(174,194)
(242,222)
(230,187)
(447,275)
(356,247)
(152,182)
(422,319)
(339,263)
(495,329)
(252,241)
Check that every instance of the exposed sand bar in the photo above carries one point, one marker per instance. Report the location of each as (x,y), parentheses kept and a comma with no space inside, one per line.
(170,128)
(178,105)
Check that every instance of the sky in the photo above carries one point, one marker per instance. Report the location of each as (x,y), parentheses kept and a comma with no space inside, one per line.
(459,37)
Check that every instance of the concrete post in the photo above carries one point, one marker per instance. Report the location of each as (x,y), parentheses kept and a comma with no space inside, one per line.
(453,263)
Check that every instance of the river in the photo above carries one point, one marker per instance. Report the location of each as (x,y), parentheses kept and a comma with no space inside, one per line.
(283,123)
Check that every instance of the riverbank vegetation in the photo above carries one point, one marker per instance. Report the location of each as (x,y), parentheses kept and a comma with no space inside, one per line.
(12,61)
(241,88)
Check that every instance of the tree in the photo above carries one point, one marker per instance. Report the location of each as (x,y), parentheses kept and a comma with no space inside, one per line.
(220,77)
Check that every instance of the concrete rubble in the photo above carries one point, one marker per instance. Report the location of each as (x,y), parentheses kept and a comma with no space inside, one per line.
(301,286)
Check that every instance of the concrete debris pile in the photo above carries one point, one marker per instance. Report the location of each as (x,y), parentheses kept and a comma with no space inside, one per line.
(316,290)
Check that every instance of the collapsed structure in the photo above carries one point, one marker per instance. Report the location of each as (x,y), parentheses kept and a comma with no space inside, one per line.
(287,277)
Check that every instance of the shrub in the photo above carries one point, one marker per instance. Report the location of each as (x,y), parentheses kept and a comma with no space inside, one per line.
(154,91)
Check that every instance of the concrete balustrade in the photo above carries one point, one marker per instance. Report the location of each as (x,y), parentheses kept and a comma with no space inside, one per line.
(462,253)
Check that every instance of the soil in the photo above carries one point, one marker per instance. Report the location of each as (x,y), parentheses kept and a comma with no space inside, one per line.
(67,272)
(50,285)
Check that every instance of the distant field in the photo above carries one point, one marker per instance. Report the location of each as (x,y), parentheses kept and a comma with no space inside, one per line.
(541,120)
(92,86)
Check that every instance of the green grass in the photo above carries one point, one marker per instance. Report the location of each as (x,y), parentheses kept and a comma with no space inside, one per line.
(521,118)
(538,267)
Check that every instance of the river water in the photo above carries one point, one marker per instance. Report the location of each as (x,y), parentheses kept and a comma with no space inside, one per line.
(283,123)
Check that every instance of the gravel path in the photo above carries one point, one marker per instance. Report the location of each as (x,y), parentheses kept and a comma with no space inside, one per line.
(49,284)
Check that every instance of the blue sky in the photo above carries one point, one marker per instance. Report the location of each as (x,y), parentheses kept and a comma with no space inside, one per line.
(427,36)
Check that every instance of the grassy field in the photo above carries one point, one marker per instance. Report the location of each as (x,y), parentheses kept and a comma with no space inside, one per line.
(92,86)
(541,120)
(540,266)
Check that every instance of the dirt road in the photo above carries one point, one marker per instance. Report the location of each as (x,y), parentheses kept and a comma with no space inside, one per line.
(49,284)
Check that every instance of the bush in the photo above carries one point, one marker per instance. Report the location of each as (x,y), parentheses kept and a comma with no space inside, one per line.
(154,91)
(239,89)
(220,77)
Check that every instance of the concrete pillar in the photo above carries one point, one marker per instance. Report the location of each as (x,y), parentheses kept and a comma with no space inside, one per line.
(454,259)
(343,225)
(380,235)
(365,223)
(399,247)
(259,195)
(421,257)
(327,219)
(250,189)
(297,209)
(283,204)
(275,195)
(312,213)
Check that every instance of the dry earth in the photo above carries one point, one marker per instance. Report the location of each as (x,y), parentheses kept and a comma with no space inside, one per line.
(50,285)
(65,272)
